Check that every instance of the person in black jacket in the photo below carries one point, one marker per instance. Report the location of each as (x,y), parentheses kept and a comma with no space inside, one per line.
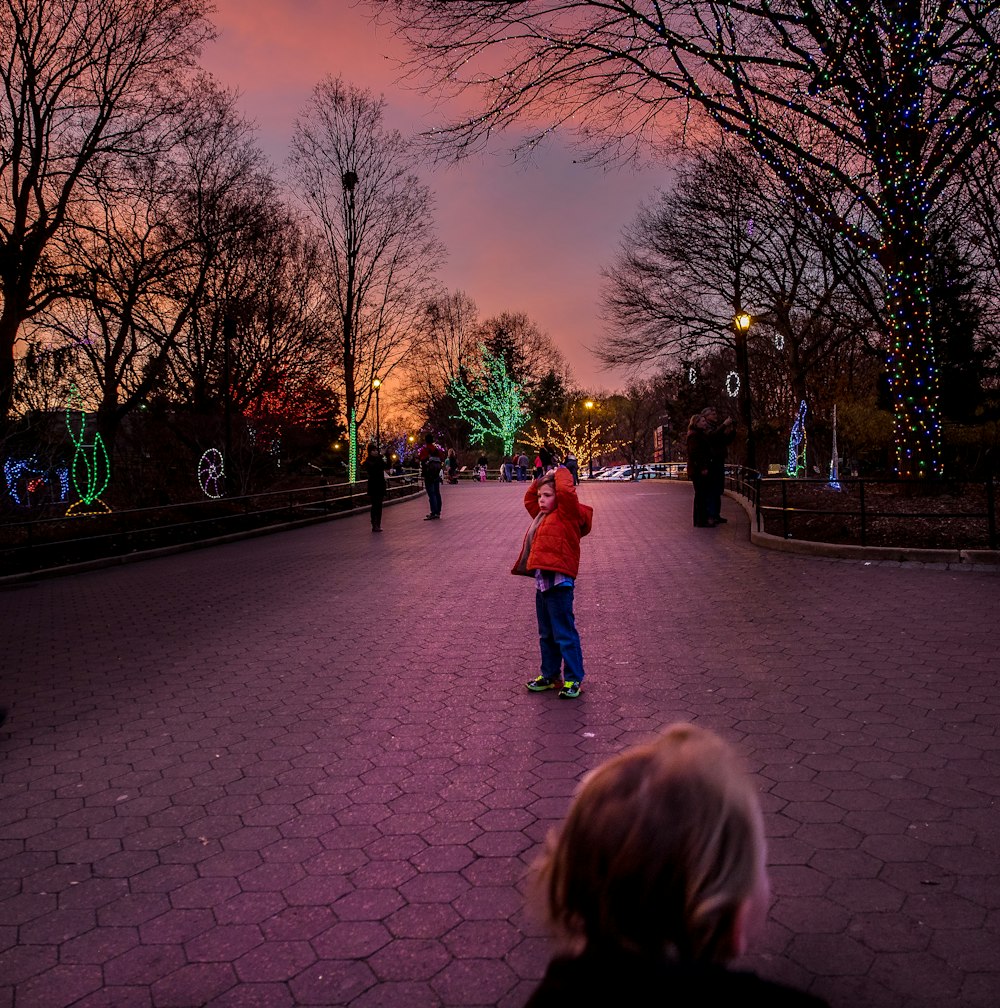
(720,435)
(699,461)
(375,466)
(657,880)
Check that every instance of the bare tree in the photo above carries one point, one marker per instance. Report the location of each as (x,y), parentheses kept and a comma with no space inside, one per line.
(879,104)
(531,358)
(724,240)
(357,179)
(144,245)
(447,346)
(82,81)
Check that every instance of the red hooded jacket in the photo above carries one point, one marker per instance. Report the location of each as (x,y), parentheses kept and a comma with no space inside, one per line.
(556,542)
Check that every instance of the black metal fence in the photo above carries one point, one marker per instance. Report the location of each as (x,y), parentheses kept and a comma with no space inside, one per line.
(953,514)
(27,546)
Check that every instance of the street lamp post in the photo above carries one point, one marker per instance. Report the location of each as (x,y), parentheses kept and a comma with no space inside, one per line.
(377,384)
(349,180)
(741,323)
(588,406)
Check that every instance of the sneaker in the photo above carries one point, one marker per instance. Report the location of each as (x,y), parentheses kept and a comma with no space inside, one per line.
(540,683)
(570,689)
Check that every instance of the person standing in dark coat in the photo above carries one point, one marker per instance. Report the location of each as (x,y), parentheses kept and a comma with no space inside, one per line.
(431,458)
(699,453)
(375,466)
(720,436)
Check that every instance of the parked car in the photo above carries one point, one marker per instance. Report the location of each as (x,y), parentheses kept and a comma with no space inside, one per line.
(665,470)
(626,473)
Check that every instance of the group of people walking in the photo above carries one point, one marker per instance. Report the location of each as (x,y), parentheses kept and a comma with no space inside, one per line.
(708,441)
(518,468)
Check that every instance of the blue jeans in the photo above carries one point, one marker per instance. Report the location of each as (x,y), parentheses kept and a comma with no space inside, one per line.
(557,636)
(434,495)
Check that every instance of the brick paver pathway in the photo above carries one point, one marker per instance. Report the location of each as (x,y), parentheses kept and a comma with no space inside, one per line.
(303,769)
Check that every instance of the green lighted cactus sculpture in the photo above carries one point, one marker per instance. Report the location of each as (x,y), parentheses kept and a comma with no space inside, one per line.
(91,467)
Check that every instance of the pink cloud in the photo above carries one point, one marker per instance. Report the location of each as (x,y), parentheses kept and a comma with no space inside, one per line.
(529,238)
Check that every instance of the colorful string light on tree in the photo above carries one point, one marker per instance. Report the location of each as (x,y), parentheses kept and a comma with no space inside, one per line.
(797,443)
(352,451)
(834,481)
(491,402)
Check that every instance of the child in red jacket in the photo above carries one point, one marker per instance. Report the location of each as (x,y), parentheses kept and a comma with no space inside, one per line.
(551,554)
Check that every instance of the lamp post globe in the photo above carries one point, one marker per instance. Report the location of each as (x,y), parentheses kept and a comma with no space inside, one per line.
(741,323)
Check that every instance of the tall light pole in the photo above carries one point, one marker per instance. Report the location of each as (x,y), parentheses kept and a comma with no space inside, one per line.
(741,323)
(588,406)
(349,180)
(377,384)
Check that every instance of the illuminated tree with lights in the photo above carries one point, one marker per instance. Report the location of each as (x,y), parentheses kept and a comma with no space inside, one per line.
(880,104)
(491,402)
(571,439)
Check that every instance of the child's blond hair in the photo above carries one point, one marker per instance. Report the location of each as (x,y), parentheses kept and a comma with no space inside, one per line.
(661,852)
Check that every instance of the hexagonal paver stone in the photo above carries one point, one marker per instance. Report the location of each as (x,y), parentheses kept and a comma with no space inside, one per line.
(409,959)
(60,986)
(193,985)
(474,982)
(422,920)
(830,954)
(368,904)
(351,940)
(482,939)
(224,943)
(337,982)
(274,961)
(258,995)
(434,887)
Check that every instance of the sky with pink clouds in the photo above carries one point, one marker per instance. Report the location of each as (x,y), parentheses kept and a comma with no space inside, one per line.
(520,237)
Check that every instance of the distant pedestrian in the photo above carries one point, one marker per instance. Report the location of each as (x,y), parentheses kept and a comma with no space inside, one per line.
(720,436)
(551,554)
(698,463)
(573,466)
(451,465)
(431,457)
(522,467)
(547,456)
(375,466)
(657,881)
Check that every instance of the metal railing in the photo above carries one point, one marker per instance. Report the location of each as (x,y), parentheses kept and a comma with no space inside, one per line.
(875,512)
(42,543)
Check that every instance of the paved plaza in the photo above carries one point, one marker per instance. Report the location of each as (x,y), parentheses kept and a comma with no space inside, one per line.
(303,769)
